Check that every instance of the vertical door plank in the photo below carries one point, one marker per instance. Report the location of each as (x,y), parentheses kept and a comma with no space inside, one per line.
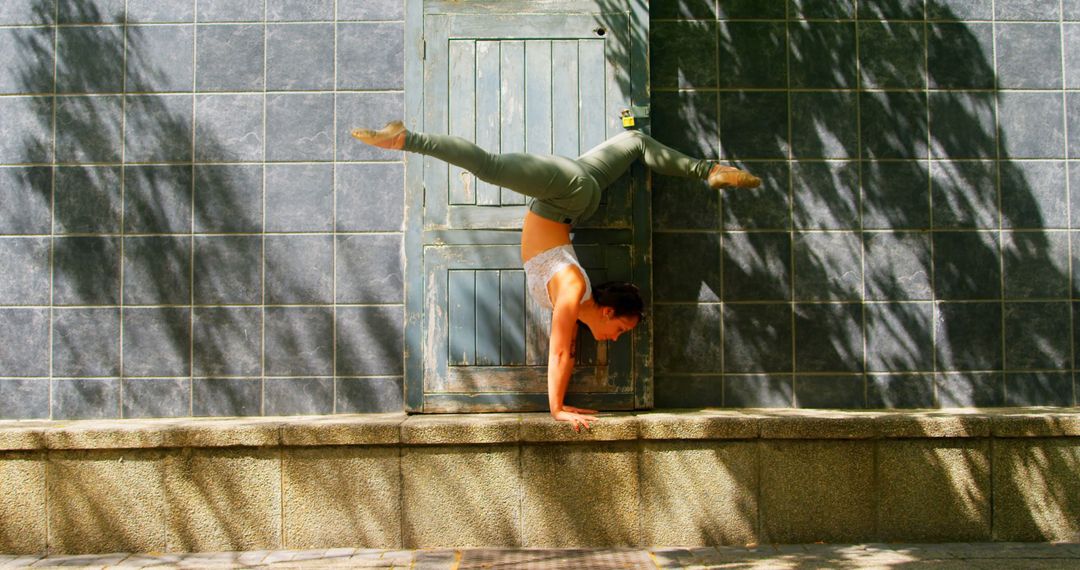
(538,96)
(436,80)
(488,323)
(512,108)
(593,101)
(462,315)
(462,114)
(513,317)
(564,98)
(487,112)
(537,332)
(616,48)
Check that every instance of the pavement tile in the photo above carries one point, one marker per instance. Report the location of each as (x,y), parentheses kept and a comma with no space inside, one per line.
(668,557)
(144,560)
(81,560)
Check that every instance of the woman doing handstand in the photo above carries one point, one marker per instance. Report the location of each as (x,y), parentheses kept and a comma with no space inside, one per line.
(564,192)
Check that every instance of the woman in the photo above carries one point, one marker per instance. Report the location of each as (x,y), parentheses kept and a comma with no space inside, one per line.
(564,191)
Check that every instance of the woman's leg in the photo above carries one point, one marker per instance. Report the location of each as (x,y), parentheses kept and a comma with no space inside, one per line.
(608,160)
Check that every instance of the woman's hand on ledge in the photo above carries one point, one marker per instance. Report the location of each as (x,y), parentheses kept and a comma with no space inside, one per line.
(571,414)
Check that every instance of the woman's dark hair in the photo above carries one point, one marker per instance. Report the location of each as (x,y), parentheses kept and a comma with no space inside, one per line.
(622,296)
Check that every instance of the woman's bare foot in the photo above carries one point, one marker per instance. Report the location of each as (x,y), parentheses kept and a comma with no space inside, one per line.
(725,176)
(392,136)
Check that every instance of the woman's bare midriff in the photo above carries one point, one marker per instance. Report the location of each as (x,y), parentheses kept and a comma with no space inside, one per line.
(539,234)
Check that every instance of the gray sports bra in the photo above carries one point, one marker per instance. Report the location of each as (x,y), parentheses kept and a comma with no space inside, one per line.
(542,267)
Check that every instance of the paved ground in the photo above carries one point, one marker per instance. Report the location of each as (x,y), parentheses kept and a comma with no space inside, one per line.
(939,556)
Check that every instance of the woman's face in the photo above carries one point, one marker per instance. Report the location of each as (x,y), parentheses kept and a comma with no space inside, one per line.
(611,328)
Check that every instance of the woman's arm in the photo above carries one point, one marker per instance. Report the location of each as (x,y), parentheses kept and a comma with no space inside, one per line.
(561,356)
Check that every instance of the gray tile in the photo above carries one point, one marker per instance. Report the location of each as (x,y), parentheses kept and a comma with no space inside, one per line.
(689,392)
(892,9)
(1071,10)
(1072,55)
(1036,264)
(960,56)
(899,337)
(370,395)
(681,277)
(228,269)
(745,9)
(970,389)
(1039,389)
(157,199)
(1019,47)
(893,124)
(751,54)
(968,336)
(86,399)
(157,270)
(25,60)
(299,396)
(86,271)
(765,207)
(371,9)
(684,54)
(1026,10)
(757,266)
(759,391)
(672,110)
(371,56)
(822,54)
(231,10)
(230,57)
(370,341)
(687,338)
(829,337)
(24,399)
(753,125)
(825,195)
(156,397)
(1074,191)
(677,203)
(88,129)
(300,197)
(897,266)
(158,128)
(1033,336)
(690,10)
(30,11)
(891,55)
(226,397)
(824,124)
(847,392)
(160,58)
(1031,125)
(25,280)
(31,119)
(277,10)
(896,195)
(228,198)
(300,56)
(827,266)
(369,269)
(90,59)
(27,192)
(1074,124)
(757,338)
(90,11)
(900,391)
(1034,195)
(300,126)
(227,341)
(963,125)
(966,265)
(24,342)
(160,11)
(965,194)
(299,341)
(87,199)
(299,269)
(229,127)
(831,9)
(157,341)
(960,9)
(86,342)
(371,197)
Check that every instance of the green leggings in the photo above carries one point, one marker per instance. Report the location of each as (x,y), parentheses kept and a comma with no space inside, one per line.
(563,189)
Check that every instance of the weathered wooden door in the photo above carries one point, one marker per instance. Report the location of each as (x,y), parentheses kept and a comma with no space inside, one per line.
(550,77)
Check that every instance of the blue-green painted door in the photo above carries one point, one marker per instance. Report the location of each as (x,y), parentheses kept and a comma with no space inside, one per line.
(546,77)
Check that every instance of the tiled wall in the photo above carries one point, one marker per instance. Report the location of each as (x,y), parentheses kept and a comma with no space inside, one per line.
(186,227)
(913,242)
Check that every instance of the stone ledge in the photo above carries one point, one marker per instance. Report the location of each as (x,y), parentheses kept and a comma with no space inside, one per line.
(459,429)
